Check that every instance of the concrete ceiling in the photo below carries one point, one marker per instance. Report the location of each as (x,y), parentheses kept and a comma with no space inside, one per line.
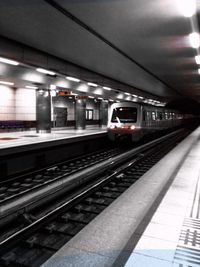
(138,42)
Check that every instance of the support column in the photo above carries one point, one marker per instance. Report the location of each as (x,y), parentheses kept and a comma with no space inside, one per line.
(80,109)
(103,113)
(43,111)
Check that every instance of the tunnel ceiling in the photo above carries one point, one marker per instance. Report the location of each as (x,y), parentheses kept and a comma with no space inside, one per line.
(142,43)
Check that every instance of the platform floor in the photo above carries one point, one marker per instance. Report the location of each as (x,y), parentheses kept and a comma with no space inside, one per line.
(155,223)
(21,138)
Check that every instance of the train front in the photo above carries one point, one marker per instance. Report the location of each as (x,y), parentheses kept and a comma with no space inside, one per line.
(124,121)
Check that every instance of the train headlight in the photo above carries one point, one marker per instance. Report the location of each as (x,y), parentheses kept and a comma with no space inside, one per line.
(132,127)
(112,126)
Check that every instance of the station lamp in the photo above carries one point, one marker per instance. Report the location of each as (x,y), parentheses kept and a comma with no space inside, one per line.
(92,84)
(46,71)
(9,61)
(6,83)
(72,79)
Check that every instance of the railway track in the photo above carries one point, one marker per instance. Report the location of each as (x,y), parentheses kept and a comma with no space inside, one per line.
(36,242)
(20,185)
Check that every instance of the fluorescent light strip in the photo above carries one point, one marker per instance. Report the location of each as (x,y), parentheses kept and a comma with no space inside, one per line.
(100,98)
(45,71)
(199,71)
(194,39)
(92,84)
(187,7)
(31,87)
(127,94)
(134,95)
(107,88)
(197,58)
(6,83)
(73,79)
(9,61)
(90,96)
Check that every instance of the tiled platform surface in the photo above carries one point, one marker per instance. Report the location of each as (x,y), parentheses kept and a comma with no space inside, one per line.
(11,140)
(154,223)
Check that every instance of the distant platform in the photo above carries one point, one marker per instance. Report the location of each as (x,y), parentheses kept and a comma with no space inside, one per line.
(26,151)
(10,142)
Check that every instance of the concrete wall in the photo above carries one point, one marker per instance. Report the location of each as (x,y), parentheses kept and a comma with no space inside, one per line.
(17,104)
(20,104)
(7,103)
(25,102)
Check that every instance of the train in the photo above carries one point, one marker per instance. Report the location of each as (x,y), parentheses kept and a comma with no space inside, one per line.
(137,120)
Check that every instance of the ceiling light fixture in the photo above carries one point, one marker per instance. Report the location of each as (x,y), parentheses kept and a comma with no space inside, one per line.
(73,79)
(45,71)
(107,88)
(92,84)
(9,61)
(194,39)
(31,87)
(90,96)
(127,94)
(197,58)
(6,83)
(199,71)
(187,7)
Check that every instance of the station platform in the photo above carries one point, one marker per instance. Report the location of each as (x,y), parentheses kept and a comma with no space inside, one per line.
(155,223)
(26,151)
(13,141)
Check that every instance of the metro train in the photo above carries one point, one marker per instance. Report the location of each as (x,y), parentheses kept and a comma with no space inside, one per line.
(136,120)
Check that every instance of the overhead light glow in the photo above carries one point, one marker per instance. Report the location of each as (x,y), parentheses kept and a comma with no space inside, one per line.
(107,88)
(52,86)
(187,7)
(127,94)
(92,84)
(134,95)
(6,83)
(197,58)
(100,98)
(73,79)
(199,71)
(111,100)
(194,39)
(91,96)
(9,61)
(31,87)
(45,71)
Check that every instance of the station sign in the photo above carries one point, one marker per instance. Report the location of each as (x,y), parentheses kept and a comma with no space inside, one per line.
(64,93)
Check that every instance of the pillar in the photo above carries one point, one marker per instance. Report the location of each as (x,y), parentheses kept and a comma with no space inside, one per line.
(103,113)
(43,111)
(80,108)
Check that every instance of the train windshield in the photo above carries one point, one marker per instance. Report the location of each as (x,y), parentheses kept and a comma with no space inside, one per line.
(124,114)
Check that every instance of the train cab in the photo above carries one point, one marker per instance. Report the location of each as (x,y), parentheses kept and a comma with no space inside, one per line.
(124,120)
